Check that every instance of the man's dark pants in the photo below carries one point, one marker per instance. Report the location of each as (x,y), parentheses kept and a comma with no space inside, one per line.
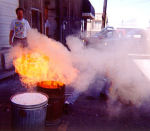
(20,41)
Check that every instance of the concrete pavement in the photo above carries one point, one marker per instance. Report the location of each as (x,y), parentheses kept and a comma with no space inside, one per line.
(86,114)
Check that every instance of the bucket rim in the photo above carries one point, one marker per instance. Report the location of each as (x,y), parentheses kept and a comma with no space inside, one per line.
(30,106)
(58,88)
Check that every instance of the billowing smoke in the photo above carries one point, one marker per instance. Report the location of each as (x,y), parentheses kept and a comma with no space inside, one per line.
(80,66)
(44,60)
(114,61)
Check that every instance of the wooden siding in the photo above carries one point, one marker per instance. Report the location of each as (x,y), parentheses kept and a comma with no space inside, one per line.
(7,14)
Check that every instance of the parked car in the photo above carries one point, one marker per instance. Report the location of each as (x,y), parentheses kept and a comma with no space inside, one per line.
(135,33)
(104,36)
(105,33)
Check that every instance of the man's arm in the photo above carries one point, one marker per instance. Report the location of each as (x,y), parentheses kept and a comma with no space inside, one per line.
(28,26)
(11,36)
(47,25)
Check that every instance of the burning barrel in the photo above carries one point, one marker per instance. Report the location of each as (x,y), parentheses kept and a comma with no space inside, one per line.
(29,111)
(55,91)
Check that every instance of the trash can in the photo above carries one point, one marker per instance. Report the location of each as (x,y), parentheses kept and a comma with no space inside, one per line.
(29,111)
(55,103)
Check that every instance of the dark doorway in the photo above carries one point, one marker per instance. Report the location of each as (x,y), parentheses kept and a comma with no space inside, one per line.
(36,20)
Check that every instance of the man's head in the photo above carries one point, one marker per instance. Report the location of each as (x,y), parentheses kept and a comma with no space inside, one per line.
(19,12)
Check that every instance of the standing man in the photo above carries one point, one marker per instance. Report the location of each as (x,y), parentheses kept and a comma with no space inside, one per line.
(18,30)
(47,26)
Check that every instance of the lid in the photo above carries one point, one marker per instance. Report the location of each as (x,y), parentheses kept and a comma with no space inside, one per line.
(29,98)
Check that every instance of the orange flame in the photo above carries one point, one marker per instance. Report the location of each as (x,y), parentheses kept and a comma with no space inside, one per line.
(32,67)
(35,67)
(50,84)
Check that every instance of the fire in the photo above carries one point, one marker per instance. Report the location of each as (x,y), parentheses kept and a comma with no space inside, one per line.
(50,84)
(35,66)
(32,67)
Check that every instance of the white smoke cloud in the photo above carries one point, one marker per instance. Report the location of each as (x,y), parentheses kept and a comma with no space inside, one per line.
(83,63)
(60,63)
(129,85)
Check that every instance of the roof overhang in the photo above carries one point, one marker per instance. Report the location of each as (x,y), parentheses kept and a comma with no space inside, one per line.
(88,15)
(88,11)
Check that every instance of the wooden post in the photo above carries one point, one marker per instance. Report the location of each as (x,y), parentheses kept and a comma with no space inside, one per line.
(3,61)
(104,14)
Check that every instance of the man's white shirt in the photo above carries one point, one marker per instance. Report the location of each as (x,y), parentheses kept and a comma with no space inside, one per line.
(20,28)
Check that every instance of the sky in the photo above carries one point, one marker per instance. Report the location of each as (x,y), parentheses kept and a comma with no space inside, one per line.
(126,13)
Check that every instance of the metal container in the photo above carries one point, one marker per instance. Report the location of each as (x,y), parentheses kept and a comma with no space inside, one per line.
(29,116)
(55,103)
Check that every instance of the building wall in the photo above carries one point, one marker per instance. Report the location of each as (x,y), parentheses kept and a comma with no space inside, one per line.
(7,14)
(76,23)
(52,18)
(71,18)
(76,15)
(34,11)
(64,18)
(94,25)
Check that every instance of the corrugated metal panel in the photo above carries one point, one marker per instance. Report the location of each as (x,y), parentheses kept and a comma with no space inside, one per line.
(7,13)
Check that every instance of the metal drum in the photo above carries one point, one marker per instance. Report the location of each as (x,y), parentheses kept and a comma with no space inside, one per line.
(29,111)
(55,103)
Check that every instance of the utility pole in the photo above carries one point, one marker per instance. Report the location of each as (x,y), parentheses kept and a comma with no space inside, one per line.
(69,15)
(104,14)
